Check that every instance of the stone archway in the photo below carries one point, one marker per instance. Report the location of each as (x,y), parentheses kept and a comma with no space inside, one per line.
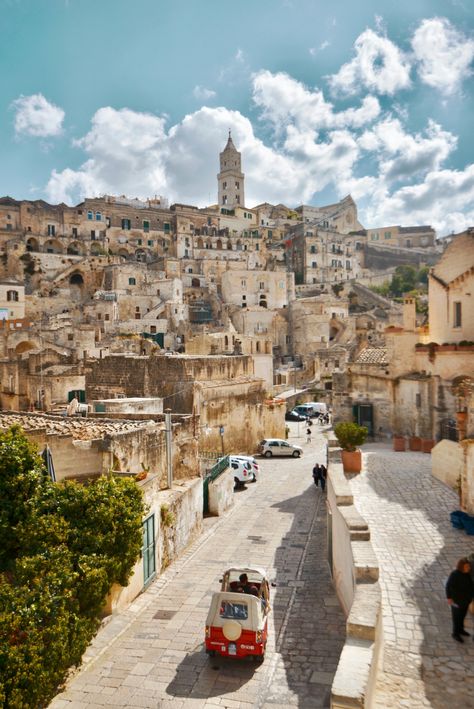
(24,346)
(76,286)
(32,244)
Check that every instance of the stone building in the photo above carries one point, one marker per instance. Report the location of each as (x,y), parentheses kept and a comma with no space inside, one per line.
(406,236)
(12,300)
(410,385)
(267,289)
(222,390)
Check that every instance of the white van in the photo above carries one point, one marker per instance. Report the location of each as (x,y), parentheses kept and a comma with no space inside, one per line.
(311,408)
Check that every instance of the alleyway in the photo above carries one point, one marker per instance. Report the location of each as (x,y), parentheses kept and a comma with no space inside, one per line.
(152,655)
(408,513)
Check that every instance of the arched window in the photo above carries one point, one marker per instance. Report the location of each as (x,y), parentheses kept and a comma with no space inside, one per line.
(12,295)
(90,214)
(98,216)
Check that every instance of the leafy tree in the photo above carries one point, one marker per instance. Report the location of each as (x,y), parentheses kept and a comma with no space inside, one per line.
(21,478)
(62,546)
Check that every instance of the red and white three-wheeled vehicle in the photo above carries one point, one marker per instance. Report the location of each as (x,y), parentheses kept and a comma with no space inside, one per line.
(237,622)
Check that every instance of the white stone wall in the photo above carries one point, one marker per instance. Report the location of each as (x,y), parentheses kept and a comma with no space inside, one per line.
(447,462)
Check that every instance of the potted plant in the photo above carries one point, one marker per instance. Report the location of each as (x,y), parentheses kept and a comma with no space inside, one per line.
(414,443)
(350,436)
(399,443)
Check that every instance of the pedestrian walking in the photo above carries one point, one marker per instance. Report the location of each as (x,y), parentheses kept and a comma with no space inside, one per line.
(460,593)
(308,435)
(319,476)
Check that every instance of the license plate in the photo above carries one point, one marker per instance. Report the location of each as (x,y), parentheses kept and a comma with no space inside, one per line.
(232,649)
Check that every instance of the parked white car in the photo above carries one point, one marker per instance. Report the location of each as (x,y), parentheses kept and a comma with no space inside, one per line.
(242,471)
(249,459)
(277,446)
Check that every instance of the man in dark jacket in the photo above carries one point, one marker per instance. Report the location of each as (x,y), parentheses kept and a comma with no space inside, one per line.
(460,592)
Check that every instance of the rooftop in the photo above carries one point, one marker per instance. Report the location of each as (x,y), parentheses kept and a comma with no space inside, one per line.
(81,429)
(372,355)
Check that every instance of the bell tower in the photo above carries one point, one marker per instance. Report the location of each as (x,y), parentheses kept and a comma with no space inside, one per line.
(230,180)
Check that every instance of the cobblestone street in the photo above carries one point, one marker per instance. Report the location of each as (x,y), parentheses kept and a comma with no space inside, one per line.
(144,659)
(408,513)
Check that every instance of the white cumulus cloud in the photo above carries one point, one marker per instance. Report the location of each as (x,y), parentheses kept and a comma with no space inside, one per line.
(379,66)
(285,101)
(203,94)
(36,116)
(444,54)
(403,155)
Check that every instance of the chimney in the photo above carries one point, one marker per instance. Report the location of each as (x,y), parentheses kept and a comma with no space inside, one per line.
(409,313)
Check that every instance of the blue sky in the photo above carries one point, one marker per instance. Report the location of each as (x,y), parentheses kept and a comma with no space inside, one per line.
(324,99)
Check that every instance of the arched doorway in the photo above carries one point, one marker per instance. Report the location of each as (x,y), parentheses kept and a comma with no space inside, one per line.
(195,283)
(76,286)
(32,244)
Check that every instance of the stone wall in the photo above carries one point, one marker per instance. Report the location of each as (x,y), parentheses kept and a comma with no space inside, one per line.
(355,572)
(221,493)
(176,527)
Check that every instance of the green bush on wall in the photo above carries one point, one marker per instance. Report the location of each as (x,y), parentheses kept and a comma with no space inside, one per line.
(350,435)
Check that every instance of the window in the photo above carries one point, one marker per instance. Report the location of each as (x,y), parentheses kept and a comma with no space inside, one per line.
(237,199)
(139,242)
(261,285)
(313,249)
(166,227)
(237,186)
(74,231)
(238,611)
(270,233)
(98,217)
(126,224)
(51,230)
(224,185)
(224,199)
(243,283)
(387,235)
(348,265)
(9,227)
(418,401)
(150,242)
(107,316)
(244,297)
(457,315)
(12,295)
(132,282)
(70,336)
(153,329)
(146,225)
(99,316)
(90,214)
(314,264)
(93,235)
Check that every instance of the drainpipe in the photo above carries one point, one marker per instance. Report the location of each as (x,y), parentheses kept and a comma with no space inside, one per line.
(169,448)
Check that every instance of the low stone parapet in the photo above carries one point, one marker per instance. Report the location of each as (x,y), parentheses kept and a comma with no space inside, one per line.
(355,573)
(221,494)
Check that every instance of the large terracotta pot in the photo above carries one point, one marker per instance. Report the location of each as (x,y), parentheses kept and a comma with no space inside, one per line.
(427,444)
(399,443)
(414,443)
(352,461)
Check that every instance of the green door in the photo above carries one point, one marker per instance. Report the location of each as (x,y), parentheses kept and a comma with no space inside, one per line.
(148,550)
(364,415)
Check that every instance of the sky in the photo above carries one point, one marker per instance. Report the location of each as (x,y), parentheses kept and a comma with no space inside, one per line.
(372,99)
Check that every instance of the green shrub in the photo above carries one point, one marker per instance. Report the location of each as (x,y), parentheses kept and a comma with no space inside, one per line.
(62,546)
(350,435)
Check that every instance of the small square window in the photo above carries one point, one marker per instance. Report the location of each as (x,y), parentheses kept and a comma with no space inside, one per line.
(132,282)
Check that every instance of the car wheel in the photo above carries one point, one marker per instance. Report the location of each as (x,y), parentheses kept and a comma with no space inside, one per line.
(211,653)
(254,479)
(268,454)
(296,454)
(237,482)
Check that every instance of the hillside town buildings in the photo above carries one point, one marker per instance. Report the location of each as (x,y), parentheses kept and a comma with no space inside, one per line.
(217,313)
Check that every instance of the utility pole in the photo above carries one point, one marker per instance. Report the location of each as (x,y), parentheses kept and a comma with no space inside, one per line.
(169,448)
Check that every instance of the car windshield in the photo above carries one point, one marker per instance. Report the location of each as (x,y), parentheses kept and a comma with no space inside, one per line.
(238,611)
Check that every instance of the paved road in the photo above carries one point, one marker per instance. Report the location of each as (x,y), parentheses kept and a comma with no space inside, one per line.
(408,513)
(152,655)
